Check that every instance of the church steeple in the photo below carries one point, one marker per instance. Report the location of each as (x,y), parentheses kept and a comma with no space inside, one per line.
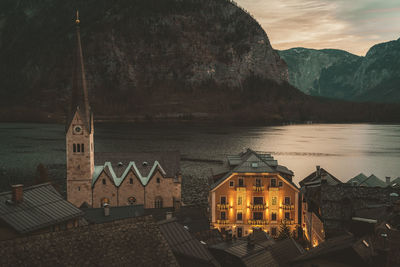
(79,96)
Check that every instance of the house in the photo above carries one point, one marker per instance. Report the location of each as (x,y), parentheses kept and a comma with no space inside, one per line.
(115,179)
(312,222)
(371,181)
(258,249)
(254,192)
(129,242)
(36,209)
(110,214)
(187,249)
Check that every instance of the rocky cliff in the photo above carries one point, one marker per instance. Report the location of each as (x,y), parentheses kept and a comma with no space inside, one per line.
(339,74)
(137,52)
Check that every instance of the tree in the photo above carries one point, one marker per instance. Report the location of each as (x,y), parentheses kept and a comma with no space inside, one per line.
(41,174)
(284,231)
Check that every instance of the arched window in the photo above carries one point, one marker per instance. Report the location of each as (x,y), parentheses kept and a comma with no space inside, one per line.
(79,148)
(104,181)
(82,147)
(158,203)
(131,181)
(74,147)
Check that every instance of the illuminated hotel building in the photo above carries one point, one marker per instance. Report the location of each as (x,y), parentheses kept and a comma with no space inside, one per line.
(254,192)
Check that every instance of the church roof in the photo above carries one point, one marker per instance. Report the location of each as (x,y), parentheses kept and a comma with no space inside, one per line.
(79,92)
(42,206)
(143,165)
(362,180)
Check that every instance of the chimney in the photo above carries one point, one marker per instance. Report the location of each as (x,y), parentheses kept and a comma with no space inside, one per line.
(17,193)
(168,215)
(106,208)
(387,179)
(318,170)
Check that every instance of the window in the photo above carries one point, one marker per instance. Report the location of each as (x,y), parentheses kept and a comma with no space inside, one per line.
(158,203)
(231,183)
(240,201)
(239,231)
(273,231)
(257,215)
(104,181)
(158,180)
(287,200)
(78,148)
(223,215)
(274,200)
(130,180)
(241,183)
(79,188)
(258,182)
(273,182)
(223,200)
(239,216)
(82,148)
(287,215)
(74,147)
(280,184)
(258,200)
(273,216)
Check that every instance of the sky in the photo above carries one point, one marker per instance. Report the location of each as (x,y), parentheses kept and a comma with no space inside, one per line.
(351,25)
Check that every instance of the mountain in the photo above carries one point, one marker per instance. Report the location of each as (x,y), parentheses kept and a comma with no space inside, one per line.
(339,74)
(139,55)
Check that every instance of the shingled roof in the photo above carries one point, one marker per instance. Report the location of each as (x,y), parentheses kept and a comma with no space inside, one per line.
(42,206)
(142,164)
(254,162)
(362,180)
(318,175)
(130,242)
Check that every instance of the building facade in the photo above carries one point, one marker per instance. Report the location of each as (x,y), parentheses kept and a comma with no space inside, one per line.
(255,193)
(116,179)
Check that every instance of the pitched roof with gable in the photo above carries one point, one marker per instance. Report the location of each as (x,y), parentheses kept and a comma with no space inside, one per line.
(129,242)
(42,206)
(315,178)
(253,162)
(184,244)
(362,180)
(143,165)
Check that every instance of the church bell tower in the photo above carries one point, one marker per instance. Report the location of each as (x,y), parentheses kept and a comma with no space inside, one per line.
(79,134)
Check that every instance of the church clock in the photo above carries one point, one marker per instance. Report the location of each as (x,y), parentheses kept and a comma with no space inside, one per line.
(78,129)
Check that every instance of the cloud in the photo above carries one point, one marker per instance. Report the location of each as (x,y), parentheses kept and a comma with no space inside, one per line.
(350,25)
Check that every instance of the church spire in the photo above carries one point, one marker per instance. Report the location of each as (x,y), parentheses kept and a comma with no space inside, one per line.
(79,97)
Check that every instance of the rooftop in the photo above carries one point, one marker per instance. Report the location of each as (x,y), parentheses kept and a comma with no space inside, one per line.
(134,242)
(362,180)
(42,206)
(96,215)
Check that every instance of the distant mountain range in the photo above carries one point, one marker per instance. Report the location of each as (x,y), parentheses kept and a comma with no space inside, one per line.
(342,75)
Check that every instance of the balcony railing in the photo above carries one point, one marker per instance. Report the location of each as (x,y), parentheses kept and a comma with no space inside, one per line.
(273,187)
(222,221)
(287,206)
(288,221)
(241,188)
(258,188)
(223,206)
(258,207)
(257,222)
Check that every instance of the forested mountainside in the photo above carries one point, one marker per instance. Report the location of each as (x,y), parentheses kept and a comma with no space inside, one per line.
(339,74)
(152,59)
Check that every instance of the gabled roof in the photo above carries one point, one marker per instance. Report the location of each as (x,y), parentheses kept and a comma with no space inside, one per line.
(253,162)
(130,242)
(395,182)
(362,180)
(316,177)
(42,206)
(184,244)
(143,165)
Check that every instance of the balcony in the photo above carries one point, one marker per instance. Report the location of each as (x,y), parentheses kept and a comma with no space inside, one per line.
(258,188)
(257,222)
(273,187)
(222,206)
(288,221)
(287,206)
(223,222)
(258,207)
(241,188)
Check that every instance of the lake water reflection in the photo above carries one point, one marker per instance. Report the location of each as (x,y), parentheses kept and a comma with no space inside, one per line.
(343,149)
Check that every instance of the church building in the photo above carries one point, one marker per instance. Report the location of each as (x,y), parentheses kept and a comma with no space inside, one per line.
(115,179)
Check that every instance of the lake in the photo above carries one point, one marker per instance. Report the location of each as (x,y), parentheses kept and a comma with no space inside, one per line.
(344,150)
